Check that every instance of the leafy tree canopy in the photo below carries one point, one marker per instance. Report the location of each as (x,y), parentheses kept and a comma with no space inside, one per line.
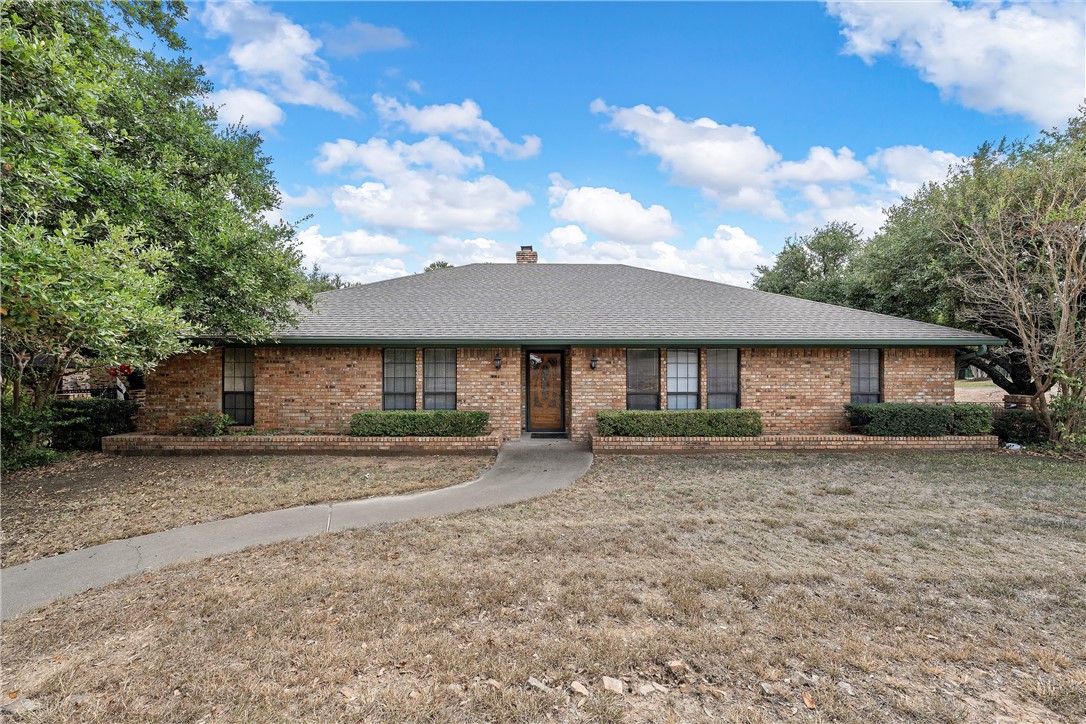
(435,265)
(110,147)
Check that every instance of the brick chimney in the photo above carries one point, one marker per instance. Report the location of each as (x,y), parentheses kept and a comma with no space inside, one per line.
(527,256)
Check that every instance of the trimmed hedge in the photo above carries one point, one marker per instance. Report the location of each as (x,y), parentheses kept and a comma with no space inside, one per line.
(899,419)
(1018,426)
(680,423)
(81,423)
(419,423)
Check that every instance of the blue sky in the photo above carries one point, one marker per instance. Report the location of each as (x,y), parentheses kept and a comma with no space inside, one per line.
(688,137)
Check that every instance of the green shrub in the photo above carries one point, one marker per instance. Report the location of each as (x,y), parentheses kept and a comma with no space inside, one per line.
(29,457)
(1018,426)
(204,424)
(426,423)
(680,423)
(80,424)
(972,419)
(24,431)
(898,419)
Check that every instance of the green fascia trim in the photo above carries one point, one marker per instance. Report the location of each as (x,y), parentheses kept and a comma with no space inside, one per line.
(520,342)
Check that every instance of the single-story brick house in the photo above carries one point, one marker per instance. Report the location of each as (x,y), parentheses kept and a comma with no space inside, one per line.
(543,347)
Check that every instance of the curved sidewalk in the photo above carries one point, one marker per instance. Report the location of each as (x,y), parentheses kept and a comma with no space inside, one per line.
(524,469)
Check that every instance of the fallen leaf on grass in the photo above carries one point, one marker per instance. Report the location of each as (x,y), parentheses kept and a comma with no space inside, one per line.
(808,700)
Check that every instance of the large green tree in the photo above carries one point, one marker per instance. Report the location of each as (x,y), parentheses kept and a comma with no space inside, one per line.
(110,146)
(998,246)
(813,266)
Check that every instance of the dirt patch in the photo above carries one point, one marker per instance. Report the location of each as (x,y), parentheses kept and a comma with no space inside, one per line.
(746,588)
(94,498)
(983,392)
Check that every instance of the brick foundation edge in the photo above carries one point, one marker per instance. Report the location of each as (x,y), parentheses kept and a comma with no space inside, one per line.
(787,443)
(138,443)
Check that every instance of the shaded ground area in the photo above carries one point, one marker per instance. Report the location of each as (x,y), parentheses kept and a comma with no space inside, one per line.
(987,391)
(96,498)
(750,588)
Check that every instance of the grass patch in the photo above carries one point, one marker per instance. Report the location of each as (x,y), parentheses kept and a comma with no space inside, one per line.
(96,498)
(706,576)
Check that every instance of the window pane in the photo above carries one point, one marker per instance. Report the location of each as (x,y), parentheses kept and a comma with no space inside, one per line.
(642,402)
(682,401)
(723,401)
(866,375)
(237,384)
(722,378)
(439,379)
(643,379)
(682,379)
(399,379)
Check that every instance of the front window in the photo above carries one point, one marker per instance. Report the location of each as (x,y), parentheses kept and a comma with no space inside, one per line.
(439,379)
(642,379)
(722,378)
(682,379)
(866,374)
(399,379)
(237,384)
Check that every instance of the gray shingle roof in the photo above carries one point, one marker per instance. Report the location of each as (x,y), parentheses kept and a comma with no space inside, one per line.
(593,303)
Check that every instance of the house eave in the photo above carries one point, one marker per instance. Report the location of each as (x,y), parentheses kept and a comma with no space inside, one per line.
(638,342)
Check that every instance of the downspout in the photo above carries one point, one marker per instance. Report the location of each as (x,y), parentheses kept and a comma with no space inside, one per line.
(981,351)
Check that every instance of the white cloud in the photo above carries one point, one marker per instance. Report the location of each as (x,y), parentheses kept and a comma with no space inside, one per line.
(479,250)
(311,198)
(275,54)
(257,110)
(823,165)
(907,168)
(611,214)
(731,164)
(1023,58)
(434,203)
(357,38)
(894,173)
(414,86)
(565,237)
(728,256)
(351,254)
(734,166)
(377,157)
(462,121)
(427,185)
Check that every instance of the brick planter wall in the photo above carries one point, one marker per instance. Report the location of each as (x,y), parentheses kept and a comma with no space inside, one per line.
(136,443)
(790,443)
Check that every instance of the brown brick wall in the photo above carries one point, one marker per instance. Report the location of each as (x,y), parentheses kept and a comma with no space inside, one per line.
(500,392)
(314,388)
(920,374)
(180,386)
(319,388)
(603,388)
(797,390)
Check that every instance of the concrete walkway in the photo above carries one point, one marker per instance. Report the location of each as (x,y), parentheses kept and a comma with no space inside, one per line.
(524,469)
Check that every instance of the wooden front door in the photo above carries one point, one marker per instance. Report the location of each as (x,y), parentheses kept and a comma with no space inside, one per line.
(545,396)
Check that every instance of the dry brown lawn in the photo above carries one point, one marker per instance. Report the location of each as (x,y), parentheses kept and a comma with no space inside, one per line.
(96,498)
(907,587)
